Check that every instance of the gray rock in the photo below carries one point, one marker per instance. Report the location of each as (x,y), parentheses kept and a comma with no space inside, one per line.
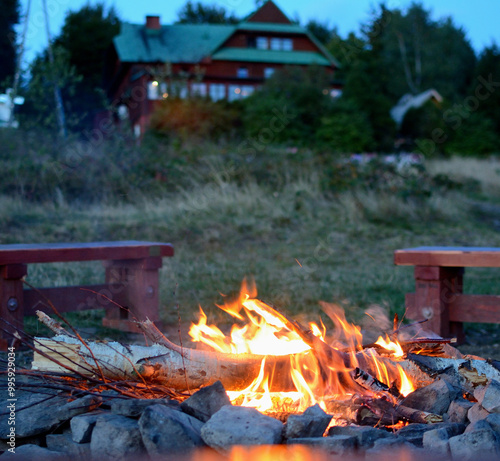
(133,408)
(494,421)
(477,445)
(489,396)
(391,445)
(434,398)
(312,423)
(334,445)
(165,430)
(64,443)
(436,440)
(414,433)
(30,452)
(39,413)
(476,412)
(457,412)
(116,437)
(477,426)
(82,426)
(240,426)
(365,435)
(206,402)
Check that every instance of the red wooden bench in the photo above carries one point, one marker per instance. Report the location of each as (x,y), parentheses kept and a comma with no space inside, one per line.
(439,296)
(131,280)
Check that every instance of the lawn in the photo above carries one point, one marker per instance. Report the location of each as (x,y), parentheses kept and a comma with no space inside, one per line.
(303,233)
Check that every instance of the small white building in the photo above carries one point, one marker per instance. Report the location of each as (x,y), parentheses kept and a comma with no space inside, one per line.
(6,108)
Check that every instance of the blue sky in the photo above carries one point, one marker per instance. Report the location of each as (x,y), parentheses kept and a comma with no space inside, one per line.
(478,18)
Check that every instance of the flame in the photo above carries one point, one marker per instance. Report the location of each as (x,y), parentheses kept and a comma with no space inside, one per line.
(395,347)
(263,332)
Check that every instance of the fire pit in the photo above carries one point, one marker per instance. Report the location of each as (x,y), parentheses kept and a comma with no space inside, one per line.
(270,381)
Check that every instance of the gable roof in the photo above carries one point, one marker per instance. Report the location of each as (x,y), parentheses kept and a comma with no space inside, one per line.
(268,12)
(190,43)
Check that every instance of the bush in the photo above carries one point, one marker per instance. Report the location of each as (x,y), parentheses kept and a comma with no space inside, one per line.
(345,129)
(196,119)
(288,108)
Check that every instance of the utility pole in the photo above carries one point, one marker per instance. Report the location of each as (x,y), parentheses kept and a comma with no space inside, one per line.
(17,75)
(57,91)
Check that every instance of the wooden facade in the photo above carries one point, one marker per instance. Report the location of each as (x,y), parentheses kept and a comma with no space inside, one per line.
(215,61)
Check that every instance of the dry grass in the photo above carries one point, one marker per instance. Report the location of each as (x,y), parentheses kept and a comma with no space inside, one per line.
(485,171)
(301,246)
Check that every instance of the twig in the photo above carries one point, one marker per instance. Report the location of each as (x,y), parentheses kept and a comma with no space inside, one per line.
(403,327)
(69,324)
(180,337)
(52,324)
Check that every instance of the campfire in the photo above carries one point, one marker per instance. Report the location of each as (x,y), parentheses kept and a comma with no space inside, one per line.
(316,384)
(314,374)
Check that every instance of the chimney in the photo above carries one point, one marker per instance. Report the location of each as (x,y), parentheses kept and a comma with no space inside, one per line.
(153,22)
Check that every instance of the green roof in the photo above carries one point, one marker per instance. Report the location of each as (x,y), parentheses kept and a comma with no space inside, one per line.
(190,43)
(271,56)
(177,43)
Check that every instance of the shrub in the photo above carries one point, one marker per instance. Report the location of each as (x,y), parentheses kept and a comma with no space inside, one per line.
(196,118)
(345,129)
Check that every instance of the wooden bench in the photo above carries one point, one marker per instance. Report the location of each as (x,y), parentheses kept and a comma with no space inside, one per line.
(131,281)
(439,296)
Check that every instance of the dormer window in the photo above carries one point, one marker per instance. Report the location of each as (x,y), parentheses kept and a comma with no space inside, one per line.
(242,72)
(262,43)
(281,44)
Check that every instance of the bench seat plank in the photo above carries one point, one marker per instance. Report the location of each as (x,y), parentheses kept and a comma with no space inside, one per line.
(95,251)
(448,256)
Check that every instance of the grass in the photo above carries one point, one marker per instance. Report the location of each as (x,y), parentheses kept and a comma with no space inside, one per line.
(485,172)
(302,244)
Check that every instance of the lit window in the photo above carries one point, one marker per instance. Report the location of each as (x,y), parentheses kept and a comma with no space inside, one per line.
(239,92)
(268,71)
(153,90)
(242,72)
(199,89)
(217,91)
(246,90)
(262,43)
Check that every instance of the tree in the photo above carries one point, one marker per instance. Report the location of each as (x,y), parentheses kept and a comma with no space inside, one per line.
(8,19)
(289,107)
(197,13)
(86,36)
(320,30)
(488,68)
(38,110)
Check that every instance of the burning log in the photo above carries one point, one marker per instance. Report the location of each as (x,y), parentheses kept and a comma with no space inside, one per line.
(179,369)
(385,413)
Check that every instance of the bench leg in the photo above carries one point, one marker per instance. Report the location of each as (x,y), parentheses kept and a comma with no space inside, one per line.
(435,290)
(11,302)
(137,292)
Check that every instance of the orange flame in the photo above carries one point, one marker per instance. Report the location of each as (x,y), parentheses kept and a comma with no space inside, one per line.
(266,334)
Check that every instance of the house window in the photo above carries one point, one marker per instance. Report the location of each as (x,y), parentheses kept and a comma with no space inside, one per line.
(157,90)
(153,90)
(246,90)
(199,89)
(217,91)
(281,44)
(262,43)
(239,92)
(268,71)
(287,44)
(242,72)
(251,42)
